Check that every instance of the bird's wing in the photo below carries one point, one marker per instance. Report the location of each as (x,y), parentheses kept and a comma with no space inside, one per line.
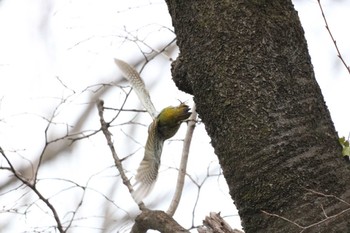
(148,170)
(139,86)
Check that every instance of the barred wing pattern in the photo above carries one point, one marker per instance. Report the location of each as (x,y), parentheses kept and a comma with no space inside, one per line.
(164,126)
(148,170)
(139,86)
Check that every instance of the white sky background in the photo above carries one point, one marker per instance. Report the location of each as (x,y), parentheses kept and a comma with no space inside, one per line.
(76,41)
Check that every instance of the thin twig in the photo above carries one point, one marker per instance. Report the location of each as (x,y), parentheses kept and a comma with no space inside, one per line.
(41,157)
(125,110)
(281,217)
(123,104)
(327,217)
(331,35)
(183,164)
(36,191)
(328,196)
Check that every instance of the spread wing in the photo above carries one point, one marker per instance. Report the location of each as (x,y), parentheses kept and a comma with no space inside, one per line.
(139,86)
(148,170)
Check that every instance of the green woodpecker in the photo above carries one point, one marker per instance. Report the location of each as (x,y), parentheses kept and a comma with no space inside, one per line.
(163,127)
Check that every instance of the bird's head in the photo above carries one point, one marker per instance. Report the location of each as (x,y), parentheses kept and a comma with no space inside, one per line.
(170,118)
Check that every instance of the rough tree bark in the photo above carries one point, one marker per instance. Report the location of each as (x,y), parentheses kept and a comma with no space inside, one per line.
(247,65)
(157,220)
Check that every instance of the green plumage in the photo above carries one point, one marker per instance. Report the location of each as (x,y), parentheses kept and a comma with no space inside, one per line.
(163,127)
(170,119)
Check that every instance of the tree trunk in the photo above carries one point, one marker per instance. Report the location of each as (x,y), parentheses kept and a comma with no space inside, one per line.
(248,67)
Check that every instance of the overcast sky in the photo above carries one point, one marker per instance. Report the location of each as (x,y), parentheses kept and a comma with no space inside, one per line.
(50,48)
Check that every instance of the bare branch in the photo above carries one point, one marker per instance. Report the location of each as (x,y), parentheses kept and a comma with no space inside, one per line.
(328,195)
(126,110)
(183,164)
(333,40)
(214,223)
(156,220)
(34,189)
(117,162)
(123,104)
(327,216)
(46,144)
(281,217)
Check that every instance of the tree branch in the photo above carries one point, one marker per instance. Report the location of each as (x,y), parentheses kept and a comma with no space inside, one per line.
(183,164)
(117,162)
(214,223)
(36,191)
(156,220)
(333,40)
(323,221)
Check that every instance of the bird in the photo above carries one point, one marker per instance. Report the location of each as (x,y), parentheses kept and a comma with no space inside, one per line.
(163,127)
